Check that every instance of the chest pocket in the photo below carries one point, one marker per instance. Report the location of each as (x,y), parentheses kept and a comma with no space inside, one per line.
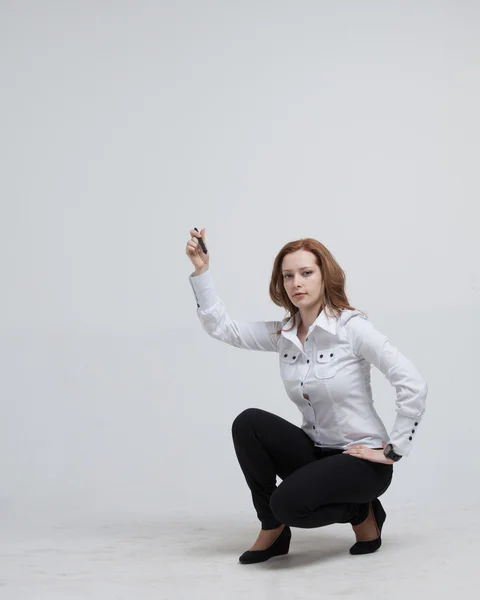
(289,364)
(326,363)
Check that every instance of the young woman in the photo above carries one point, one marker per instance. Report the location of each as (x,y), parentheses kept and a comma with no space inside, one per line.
(336,465)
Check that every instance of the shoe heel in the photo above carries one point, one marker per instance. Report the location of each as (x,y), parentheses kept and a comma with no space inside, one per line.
(380,516)
(283,546)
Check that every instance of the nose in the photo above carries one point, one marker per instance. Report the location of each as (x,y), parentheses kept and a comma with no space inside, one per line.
(296,281)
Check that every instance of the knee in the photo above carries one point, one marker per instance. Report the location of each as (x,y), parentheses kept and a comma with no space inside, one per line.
(244,420)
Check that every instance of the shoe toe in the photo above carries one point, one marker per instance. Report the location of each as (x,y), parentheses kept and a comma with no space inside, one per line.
(366,547)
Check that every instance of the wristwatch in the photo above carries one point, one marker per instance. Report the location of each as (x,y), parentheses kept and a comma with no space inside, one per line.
(389,453)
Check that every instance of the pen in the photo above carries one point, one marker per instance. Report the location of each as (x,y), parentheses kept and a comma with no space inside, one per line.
(201,242)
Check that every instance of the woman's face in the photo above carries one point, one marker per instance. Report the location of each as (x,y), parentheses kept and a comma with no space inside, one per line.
(301,273)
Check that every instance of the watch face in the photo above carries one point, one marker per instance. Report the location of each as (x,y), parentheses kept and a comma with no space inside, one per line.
(389,453)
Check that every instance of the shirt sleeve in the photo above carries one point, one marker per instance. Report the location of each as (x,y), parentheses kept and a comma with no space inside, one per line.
(255,335)
(411,389)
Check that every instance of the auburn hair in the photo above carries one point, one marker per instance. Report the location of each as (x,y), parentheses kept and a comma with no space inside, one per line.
(332,292)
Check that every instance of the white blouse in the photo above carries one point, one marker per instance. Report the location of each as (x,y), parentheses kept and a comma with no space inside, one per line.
(329,377)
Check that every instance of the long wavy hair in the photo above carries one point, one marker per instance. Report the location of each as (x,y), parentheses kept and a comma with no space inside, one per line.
(332,294)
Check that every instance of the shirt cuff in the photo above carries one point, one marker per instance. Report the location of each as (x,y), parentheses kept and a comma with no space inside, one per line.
(204,290)
(403,433)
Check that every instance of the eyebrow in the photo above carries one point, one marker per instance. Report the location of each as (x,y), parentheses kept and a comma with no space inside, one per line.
(307,267)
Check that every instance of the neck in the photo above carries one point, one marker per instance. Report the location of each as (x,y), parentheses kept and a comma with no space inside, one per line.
(309,315)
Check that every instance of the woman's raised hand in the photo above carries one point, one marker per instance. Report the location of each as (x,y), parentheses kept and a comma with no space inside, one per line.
(199,259)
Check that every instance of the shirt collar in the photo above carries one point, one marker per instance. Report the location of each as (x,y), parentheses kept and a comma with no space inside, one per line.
(325,320)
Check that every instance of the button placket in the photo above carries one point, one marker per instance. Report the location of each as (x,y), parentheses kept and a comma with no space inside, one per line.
(308,362)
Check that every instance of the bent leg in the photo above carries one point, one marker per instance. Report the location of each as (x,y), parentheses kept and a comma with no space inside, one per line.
(266,446)
(334,489)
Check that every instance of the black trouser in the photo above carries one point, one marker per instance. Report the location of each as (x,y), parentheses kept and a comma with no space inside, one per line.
(319,486)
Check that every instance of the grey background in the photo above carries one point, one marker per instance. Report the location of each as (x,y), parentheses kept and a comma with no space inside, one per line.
(125,124)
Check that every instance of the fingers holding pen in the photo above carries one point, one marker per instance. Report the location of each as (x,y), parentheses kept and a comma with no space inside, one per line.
(196,249)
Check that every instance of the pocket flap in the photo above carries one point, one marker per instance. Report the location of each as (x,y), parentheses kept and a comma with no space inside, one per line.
(325,356)
(290,356)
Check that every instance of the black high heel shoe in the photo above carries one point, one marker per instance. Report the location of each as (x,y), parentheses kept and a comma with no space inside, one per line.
(280,546)
(373,545)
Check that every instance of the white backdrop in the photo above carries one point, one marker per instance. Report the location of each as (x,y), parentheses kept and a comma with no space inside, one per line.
(124,124)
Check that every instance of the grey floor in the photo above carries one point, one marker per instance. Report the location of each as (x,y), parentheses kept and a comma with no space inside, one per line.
(425,552)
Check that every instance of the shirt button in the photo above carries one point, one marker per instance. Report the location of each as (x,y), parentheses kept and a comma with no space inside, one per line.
(410,438)
(198,305)
(308,360)
(306,339)
(416,424)
(314,426)
(413,430)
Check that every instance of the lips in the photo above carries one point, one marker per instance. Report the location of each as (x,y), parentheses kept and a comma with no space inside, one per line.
(299,295)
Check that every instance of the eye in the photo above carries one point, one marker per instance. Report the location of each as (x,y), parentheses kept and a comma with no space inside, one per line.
(304,273)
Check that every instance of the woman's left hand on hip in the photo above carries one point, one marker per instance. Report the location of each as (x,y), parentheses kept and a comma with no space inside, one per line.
(369,454)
